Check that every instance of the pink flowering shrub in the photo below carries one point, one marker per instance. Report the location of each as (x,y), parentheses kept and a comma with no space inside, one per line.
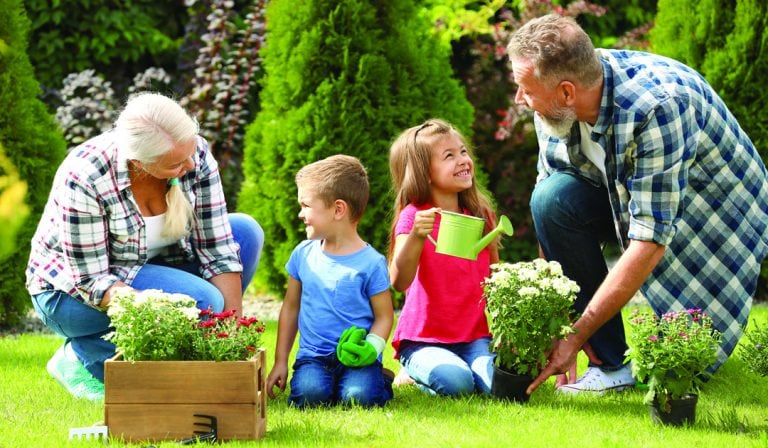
(152,325)
(671,353)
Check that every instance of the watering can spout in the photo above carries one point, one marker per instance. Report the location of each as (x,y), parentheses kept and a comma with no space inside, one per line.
(505,227)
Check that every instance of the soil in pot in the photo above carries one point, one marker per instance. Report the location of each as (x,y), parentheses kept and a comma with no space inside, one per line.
(682,411)
(508,385)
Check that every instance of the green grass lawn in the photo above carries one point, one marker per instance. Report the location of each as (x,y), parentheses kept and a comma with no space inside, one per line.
(732,412)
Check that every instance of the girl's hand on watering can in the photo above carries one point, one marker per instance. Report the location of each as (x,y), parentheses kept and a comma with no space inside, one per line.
(424,222)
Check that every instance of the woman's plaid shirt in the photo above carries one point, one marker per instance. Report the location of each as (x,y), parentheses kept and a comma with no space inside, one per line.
(92,233)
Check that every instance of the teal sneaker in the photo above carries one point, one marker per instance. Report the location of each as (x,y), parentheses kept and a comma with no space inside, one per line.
(74,377)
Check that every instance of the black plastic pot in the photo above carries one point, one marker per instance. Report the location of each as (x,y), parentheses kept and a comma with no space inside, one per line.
(509,385)
(682,411)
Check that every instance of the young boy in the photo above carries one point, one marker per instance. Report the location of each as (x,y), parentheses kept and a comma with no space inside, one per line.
(337,298)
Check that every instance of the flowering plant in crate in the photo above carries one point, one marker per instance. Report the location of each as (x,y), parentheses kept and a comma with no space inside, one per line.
(529,305)
(152,325)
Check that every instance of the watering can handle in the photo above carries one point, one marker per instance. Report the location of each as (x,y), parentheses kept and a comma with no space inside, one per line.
(429,237)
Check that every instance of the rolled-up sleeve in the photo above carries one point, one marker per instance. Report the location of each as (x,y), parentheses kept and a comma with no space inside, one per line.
(660,176)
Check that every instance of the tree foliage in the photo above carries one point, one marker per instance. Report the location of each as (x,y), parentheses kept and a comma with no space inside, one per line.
(32,143)
(114,37)
(727,42)
(340,77)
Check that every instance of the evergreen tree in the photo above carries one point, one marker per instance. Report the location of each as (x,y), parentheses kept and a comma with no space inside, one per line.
(727,42)
(340,77)
(32,143)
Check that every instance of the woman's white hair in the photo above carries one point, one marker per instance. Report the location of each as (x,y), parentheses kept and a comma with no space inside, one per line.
(150,126)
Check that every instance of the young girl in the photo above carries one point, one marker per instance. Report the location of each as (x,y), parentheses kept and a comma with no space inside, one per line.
(442,335)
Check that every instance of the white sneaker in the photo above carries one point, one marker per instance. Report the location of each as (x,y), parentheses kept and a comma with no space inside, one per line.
(598,381)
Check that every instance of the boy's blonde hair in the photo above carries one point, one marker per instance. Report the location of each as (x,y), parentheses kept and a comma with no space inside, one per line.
(409,165)
(150,126)
(337,177)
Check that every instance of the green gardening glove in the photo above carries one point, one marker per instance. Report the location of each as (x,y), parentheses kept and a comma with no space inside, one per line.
(351,334)
(358,355)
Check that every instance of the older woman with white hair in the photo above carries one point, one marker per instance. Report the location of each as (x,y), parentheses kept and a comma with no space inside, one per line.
(138,206)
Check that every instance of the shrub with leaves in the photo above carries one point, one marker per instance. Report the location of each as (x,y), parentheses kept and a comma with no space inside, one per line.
(223,87)
(671,353)
(331,88)
(33,145)
(529,305)
(754,349)
(13,210)
(88,107)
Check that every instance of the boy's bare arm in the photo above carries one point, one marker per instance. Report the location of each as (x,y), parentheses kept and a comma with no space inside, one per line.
(288,322)
(383,314)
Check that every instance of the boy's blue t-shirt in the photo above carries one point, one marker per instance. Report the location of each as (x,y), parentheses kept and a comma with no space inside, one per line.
(335,293)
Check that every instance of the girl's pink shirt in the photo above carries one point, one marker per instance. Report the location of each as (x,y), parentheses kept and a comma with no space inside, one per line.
(445,302)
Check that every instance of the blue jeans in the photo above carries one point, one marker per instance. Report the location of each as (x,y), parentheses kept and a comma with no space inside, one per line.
(83,326)
(573,220)
(326,381)
(449,369)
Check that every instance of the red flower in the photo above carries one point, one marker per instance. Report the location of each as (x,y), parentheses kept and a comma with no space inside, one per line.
(224,314)
(222,335)
(246,321)
(207,324)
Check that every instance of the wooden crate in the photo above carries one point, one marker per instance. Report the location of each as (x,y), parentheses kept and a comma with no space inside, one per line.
(157,400)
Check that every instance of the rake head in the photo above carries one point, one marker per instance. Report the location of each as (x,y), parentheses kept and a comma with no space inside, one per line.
(210,436)
(89,433)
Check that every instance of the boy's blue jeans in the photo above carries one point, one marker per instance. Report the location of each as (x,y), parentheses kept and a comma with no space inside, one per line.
(83,326)
(326,381)
(449,369)
(573,219)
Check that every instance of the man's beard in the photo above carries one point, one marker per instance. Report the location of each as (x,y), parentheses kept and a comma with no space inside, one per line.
(559,122)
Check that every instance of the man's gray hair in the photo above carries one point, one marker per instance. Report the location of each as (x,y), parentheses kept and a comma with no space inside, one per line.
(559,50)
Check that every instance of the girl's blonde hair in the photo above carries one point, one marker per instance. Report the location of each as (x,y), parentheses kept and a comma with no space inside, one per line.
(150,126)
(409,165)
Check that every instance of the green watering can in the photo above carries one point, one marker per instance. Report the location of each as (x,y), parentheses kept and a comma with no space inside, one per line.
(462,235)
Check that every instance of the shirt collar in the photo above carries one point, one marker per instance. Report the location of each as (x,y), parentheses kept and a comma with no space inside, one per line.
(605,116)
(121,167)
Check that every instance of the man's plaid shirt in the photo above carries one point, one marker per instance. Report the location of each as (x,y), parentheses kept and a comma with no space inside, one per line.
(92,233)
(683,174)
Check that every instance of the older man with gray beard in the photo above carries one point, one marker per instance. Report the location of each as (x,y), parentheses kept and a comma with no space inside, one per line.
(640,149)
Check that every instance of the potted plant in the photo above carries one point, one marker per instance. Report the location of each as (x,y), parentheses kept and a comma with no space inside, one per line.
(671,355)
(529,305)
(177,365)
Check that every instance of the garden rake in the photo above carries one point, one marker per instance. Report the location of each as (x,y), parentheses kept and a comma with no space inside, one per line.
(94,432)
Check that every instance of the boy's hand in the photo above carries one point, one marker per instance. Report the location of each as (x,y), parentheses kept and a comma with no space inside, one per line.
(351,334)
(277,377)
(355,351)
